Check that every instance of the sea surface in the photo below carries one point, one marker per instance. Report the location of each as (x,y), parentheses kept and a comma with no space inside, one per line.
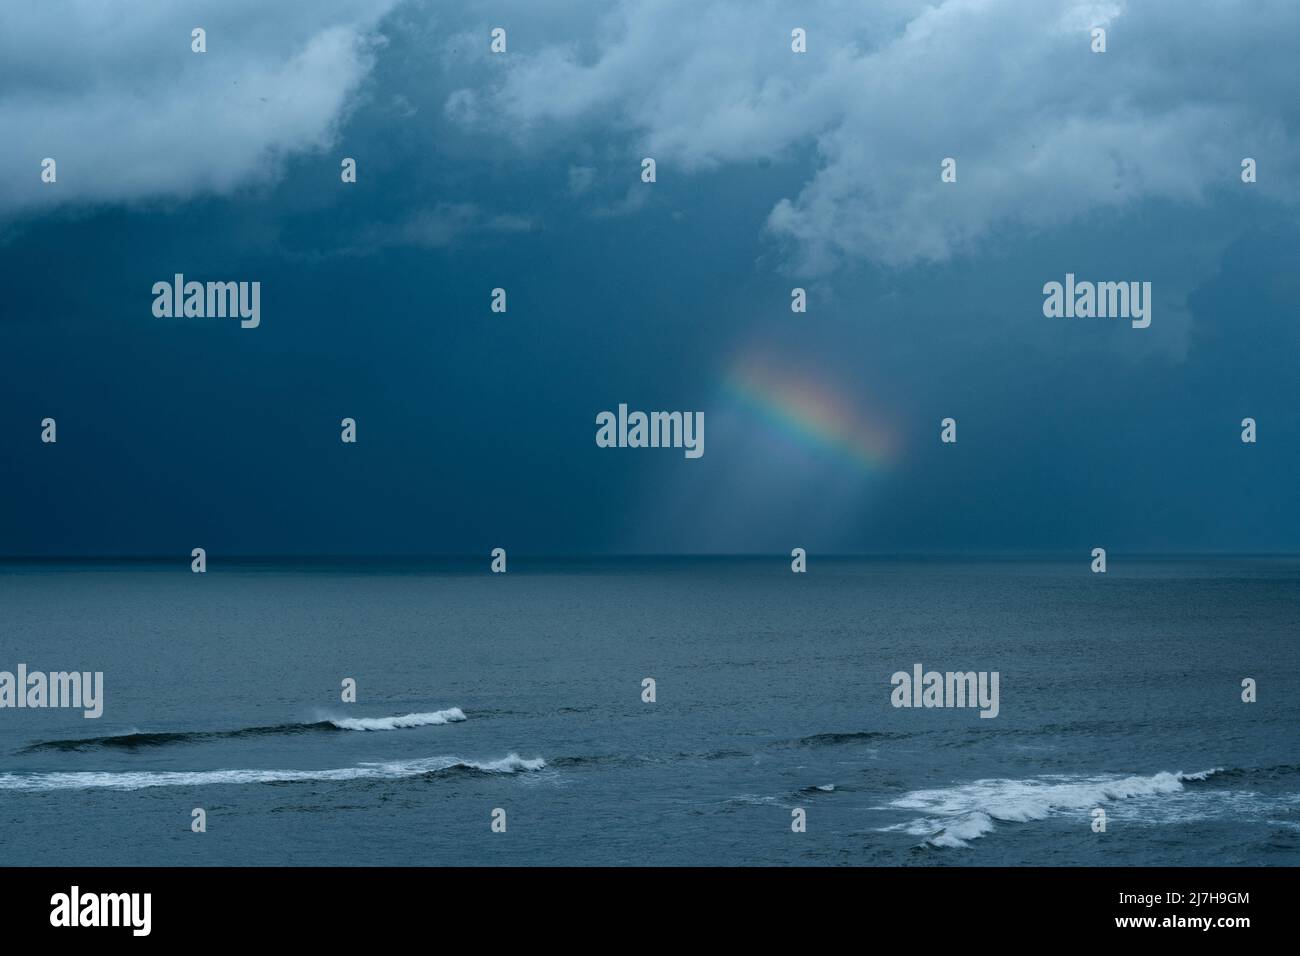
(523,692)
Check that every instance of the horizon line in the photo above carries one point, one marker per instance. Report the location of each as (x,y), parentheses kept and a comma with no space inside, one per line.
(623,556)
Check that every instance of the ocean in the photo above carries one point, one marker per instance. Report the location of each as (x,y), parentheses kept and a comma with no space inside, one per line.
(523,693)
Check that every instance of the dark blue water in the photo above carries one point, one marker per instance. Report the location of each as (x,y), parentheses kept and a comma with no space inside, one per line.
(1119,691)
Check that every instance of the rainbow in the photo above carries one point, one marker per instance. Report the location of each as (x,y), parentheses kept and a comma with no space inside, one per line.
(809,413)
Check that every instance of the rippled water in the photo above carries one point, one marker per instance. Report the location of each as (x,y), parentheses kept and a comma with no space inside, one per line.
(222,691)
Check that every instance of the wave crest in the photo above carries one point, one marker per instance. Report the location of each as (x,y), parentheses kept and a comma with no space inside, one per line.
(957,815)
(405,721)
(143,779)
(136,740)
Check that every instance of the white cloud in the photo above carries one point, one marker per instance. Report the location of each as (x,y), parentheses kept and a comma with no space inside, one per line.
(1044,130)
(113,92)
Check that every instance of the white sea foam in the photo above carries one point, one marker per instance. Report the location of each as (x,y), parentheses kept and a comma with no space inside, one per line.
(956,815)
(405,721)
(142,779)
(970,827)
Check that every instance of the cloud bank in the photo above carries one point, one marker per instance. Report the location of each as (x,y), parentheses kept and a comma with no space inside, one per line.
(1044,130)
(114,93)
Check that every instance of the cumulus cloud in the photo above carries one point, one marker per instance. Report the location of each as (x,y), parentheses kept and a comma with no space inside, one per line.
(113,93)
(1044,130)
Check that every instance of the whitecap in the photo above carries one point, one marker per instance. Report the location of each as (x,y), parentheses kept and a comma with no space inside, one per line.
(142,779)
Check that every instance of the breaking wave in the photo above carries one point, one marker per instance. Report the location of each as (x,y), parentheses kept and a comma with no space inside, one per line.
(137,739)
(451,715)
(142,779)
(957,815)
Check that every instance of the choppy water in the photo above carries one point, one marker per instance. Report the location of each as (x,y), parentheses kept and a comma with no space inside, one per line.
(523,692)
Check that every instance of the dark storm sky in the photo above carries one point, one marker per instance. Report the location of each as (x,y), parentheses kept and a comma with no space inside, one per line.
(775,170)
